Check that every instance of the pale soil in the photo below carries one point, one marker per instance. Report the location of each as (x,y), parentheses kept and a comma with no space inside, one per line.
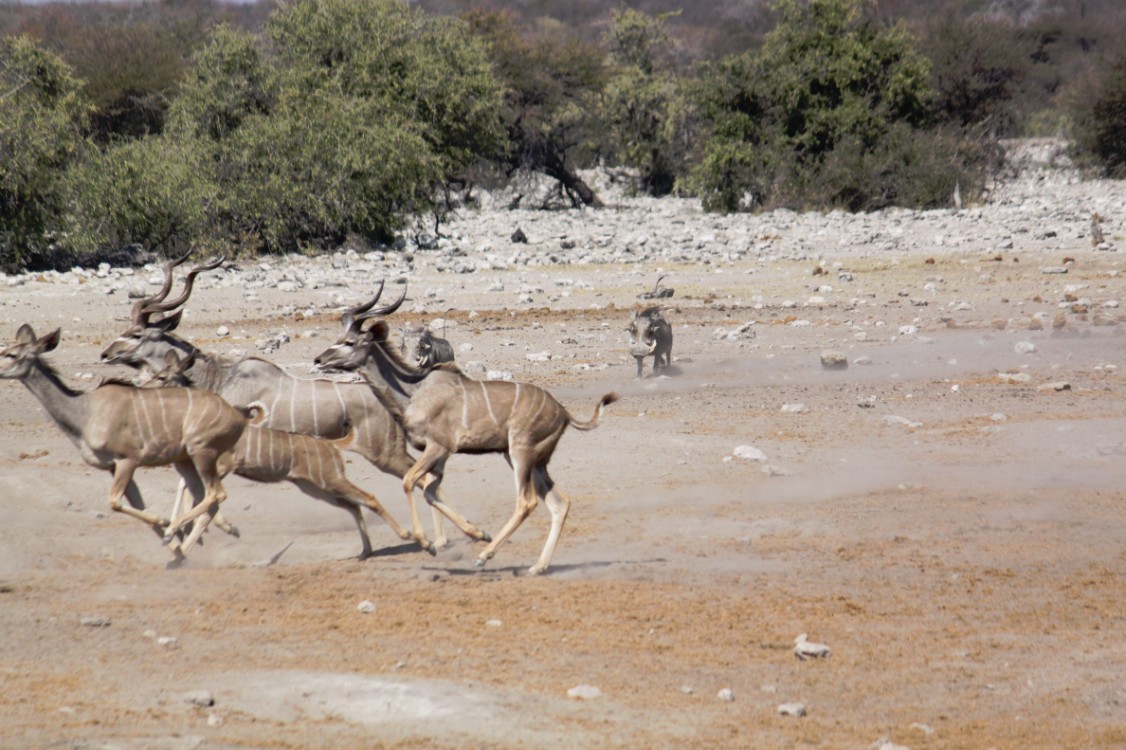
(968,572)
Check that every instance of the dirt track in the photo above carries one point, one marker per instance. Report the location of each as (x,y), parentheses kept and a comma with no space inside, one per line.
(956,538)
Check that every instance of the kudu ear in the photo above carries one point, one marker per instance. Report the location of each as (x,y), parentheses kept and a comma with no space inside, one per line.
(169,322)
(50,341)
(25,334)
(378,331)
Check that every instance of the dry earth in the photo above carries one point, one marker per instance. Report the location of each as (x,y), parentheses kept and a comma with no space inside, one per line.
(955,536)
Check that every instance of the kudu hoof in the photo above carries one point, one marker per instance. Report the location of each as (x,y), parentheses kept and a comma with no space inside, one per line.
(479,563)
(167,539)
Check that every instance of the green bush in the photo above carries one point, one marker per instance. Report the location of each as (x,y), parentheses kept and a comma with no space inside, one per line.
(349,122)
(1100,122)
(41,119)
(155,192)
(832,111)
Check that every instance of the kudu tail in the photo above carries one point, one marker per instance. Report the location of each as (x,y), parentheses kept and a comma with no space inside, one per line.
(609,398)
(345,442)
(255,412)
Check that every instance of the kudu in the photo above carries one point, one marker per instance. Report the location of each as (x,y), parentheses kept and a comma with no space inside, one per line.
(650,335)
(314,465)
(118,427)
(428,349)
(318,407)
(445,412)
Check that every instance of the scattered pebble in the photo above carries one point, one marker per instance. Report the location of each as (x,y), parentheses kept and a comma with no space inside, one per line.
(584,692)
(834,360)
(725,695)
(366,607)
(201,698)
(806,649)
(95,622)
(791,709)
(749,452)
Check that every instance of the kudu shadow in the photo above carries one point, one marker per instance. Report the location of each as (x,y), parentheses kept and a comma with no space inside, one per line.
(521,571)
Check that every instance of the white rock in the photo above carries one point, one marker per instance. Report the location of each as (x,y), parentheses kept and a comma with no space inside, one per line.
(885,744)
(366,607)
(791,709)
(794,408)
(892,419)
(1024,347)
(201,698)
(805,649)
(584,692)
(748,452)
(725,695)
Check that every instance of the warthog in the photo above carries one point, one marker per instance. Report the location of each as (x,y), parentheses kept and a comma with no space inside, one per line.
(650,334)
(428,349)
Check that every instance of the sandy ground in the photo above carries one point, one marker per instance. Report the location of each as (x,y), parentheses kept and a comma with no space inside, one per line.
(956,538)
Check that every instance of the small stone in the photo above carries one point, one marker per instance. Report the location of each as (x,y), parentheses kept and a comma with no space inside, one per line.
(95,622)
(832,360)
(892,419)
(167,641)
(201,698)
(749,452)
(584,692)
(791,709)
(222,331)
(725,695)
(1059,385)
(493,623)
(805,649)
(1024,347)
(366,607)
(794,408)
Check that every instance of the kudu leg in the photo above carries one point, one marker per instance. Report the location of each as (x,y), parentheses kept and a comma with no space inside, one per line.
(123,486)
(432,492)
(558,504)
(526,501)
(342,493)
(431,456)
(190,482)
(205,464)
(342,488)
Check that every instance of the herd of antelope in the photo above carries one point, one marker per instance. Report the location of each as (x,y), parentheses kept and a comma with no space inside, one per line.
(209,415)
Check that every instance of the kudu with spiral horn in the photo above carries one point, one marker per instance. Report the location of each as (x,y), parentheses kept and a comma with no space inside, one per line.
(314,406)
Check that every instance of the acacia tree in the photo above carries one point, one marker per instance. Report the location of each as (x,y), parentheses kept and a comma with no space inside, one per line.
(552,84)
(42,115)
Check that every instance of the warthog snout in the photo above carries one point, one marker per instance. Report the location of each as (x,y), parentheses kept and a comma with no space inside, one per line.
(650,335)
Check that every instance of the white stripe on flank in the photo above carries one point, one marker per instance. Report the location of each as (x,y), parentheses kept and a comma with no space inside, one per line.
(148,418)
(489,403)
(313,399)
(543,402)
(163,411)
(464,405)
(340,399)
(292,406)
(272,417)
